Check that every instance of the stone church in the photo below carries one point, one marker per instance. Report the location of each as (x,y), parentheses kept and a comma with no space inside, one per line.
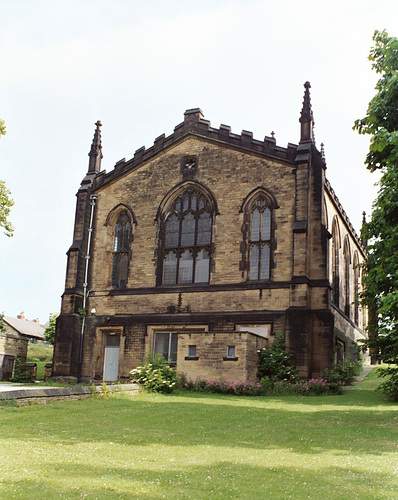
(202,248)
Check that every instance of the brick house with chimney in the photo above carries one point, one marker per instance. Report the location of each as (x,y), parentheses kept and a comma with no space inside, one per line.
(15,335)
(202,248)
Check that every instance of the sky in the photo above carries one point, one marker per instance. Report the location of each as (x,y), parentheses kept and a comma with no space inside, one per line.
(137,66)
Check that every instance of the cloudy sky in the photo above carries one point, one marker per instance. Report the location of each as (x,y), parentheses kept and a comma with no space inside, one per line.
(137,66)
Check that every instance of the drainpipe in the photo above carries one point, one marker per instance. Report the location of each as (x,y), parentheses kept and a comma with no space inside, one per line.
(93,199)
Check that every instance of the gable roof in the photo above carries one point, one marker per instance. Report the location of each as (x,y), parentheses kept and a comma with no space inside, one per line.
(195,125)
(26,327)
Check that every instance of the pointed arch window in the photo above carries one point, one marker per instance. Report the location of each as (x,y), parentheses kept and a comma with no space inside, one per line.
(187,236)
(121,250)
(335,265)
(357,272)
(347,262)
(260,239)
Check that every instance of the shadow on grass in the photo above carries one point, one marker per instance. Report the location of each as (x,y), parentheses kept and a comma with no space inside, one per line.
(302,425)
(222,479)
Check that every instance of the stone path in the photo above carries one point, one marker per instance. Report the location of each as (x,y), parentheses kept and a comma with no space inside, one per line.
(20,391)
(366,370)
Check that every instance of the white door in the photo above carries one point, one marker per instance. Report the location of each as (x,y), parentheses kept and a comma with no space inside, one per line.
(111,363)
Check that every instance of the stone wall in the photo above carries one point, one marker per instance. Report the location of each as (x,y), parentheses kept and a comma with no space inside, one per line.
(212,363)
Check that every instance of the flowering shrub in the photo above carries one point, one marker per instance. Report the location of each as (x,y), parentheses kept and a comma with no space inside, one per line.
(155,375)
(312,387)
(224,387)
(274,362)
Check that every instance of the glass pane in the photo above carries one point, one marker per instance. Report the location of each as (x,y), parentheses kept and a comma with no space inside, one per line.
(161,344)
(173,347)
(188,231)
(193,201)
(178,205)
(113,341)
(254,258)
(202,267)
(123,270)
(185,202)
(264,268)
(192,351)
(126,237)
(170,269)
(204,229)
(231,351)
(118,237)
(266,225)
(201,203)
(172,231)
(186,268)
(255,233)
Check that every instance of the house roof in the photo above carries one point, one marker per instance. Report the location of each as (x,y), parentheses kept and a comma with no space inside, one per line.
(26,327)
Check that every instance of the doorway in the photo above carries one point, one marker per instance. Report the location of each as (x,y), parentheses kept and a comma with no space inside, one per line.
(111,361)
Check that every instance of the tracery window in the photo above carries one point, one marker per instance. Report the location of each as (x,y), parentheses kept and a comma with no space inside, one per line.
(347,262)
(187,239)
(356,288)
(121,250)
(260,239)
(335,265)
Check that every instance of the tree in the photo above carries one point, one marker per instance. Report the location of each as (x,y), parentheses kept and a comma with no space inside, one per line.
(6,202)
(2,327)
(2,128)
(380,293)
(49,332)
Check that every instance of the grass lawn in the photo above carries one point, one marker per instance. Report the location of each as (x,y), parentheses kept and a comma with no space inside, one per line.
(40,369)
(203,447)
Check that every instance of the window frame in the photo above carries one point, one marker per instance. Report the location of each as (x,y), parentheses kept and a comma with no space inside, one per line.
(187,260)
(357,277)
(336,263)
(231,351)
(347,277)
(262,201)
(192,351)
(172,336)
(121,249)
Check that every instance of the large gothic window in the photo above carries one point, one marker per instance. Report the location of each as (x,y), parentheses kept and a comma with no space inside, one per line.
(336,264)
(357,271)
(347,262)
(260,239)
(187,235)
(121,250)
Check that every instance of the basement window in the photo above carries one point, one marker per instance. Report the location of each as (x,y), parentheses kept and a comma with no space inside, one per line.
(231,354)
(231,351)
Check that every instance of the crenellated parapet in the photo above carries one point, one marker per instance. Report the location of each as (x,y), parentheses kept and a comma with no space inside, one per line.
(195,124)
(344,216)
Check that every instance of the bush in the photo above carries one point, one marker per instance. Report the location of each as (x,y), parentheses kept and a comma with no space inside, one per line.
(343,373)
(274,362)
(155,375)
(390,386)
(266,387)
(20,373)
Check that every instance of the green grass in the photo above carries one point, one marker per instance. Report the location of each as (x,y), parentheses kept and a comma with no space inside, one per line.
(40,369)
(203,446)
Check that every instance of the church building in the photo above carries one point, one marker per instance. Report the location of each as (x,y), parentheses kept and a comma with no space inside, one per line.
(202,248)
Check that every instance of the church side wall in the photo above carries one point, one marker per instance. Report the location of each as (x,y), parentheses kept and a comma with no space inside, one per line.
(349,324)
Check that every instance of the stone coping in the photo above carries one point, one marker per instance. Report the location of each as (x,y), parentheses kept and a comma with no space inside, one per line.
(30,392)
